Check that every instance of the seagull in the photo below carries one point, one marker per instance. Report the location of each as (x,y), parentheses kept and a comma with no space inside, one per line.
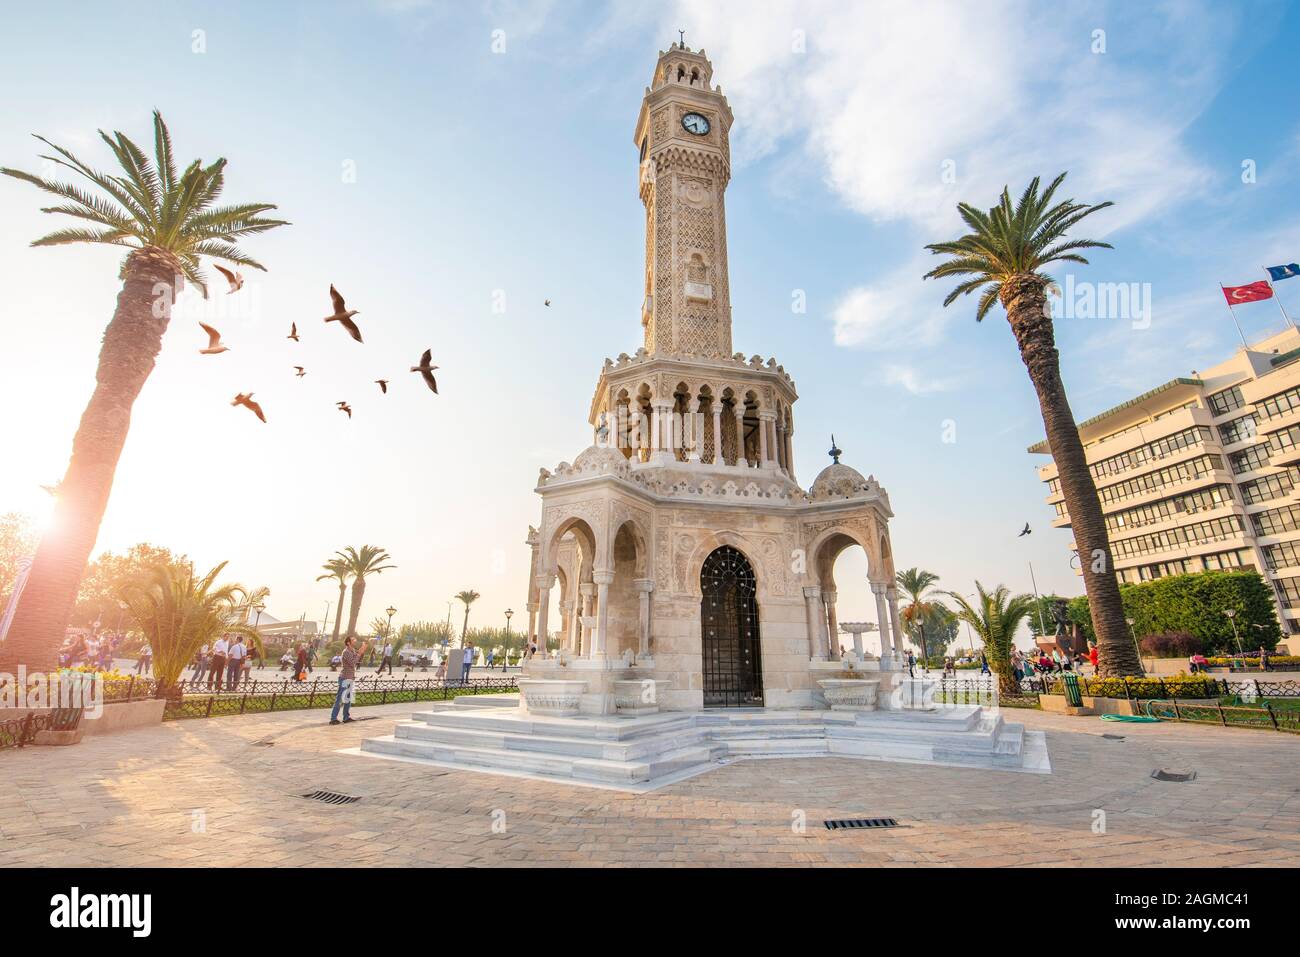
(246,400)
(344,407)
(1025,531)
(383,385)
(425,368)
(215,345)
(343,315)
(235,280)
(293,331)
(546,302)
(301,371)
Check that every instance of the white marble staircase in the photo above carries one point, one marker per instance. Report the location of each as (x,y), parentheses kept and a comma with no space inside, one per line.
(643,753)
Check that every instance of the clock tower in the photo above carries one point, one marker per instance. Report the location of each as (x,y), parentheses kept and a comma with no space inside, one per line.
(682,136)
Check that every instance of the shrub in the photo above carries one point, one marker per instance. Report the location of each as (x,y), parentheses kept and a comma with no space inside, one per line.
(1171,644)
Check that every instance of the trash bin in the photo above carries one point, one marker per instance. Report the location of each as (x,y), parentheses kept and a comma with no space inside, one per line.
(1070,681)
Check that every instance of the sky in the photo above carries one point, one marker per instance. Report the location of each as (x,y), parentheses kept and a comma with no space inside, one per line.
(437,159)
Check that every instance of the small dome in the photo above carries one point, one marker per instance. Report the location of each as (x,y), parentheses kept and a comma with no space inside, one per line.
(600,459)
(838,481)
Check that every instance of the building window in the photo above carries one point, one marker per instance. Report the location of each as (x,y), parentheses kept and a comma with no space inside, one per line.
(1277,520)
(1267,488)
(1238,430)
(1153,481)
(1279,404)
(1248,460)
(1201,500)
(1229,400)
(1282,555)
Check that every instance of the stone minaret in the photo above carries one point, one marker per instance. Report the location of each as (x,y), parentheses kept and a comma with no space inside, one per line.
(682,136)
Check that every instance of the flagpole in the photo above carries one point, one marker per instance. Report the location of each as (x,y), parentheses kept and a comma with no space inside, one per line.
(1281,307)
(1234,315)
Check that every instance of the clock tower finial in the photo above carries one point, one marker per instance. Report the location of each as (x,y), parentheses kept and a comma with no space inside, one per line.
(681,35)
(683,135)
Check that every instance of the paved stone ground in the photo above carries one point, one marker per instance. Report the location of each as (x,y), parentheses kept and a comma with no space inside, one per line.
(137,797)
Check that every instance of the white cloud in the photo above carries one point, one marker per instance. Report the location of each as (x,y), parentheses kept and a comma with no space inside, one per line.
(916,381)
(900,311)
(886,93)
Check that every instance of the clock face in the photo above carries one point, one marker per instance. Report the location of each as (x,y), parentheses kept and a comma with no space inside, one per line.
(695,123)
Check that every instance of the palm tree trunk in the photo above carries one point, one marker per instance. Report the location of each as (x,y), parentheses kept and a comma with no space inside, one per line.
(465,627)
(131,343)
(358,592)
(1026,304)
(338,612)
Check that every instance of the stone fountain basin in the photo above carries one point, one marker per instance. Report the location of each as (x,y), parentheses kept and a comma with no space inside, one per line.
(554,697)
(850,694)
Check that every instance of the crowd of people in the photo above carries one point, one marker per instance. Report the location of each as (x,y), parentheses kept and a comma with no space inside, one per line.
(94,650)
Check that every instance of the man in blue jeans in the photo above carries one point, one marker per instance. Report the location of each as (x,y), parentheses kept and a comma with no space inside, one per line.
(347,677)
(467,662)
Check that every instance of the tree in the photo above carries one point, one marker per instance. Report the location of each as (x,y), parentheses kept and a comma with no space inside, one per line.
(367,561)
(940,626)
(469,596)
(167,222)
(179,611)
(17,542)
(97,595)
(995,619)
(337,568)
(1004,254)
(915,582)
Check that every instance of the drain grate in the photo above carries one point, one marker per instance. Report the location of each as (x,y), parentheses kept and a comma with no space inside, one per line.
(331,797)
(1164,774)
(856,822)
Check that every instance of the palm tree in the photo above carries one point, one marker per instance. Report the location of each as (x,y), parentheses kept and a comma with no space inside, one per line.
(336,568)
(167,222)
(1004,255)
(468,597)
(367,561)
(915,582)
(179,611)
(995,619)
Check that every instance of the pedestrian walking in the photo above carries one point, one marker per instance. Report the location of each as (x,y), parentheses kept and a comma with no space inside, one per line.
(386,660)
(235,656)
(217,662)
(200,664)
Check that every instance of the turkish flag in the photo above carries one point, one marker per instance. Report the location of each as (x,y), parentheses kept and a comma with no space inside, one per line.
(1253,292)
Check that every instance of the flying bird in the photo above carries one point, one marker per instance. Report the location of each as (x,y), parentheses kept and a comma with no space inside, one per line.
(546,302)
(344,407)
(234,279)
(1025,531)
(293,331)
(215,345)
(246,400)
(343,315)
(383,385)
(425,368)
(301,371)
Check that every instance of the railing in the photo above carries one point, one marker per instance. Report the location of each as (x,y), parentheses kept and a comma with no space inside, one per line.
(1267,717)
(260,697)
(20,732)
(980,690)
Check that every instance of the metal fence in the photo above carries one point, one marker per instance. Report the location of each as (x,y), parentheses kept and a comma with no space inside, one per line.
(260,697)
(20,732)
(983,690)
(1229,716)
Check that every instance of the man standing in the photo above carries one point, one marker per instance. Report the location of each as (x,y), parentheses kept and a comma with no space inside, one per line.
(911,665)
(347,678)
(467,662)
(217,662)
(387,659)
(236,655)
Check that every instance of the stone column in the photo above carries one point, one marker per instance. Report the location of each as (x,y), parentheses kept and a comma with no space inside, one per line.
(717,432)
(816,622)
(789,451)
(882,621)
(697,433)
(588,608)
(763,423)
(567,618)
(544,583)
(740,434)
(832,623)
(644,587)
(781,447)
(895,625)
(655,424)
(602,579)
(532,620)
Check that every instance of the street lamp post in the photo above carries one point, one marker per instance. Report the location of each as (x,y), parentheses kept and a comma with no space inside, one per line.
(506,653)
(388,634)
(1232,617)
(1136,649)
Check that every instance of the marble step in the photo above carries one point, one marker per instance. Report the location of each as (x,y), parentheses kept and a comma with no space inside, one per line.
(607,728)
(644,747)
(549,765)
(775,745)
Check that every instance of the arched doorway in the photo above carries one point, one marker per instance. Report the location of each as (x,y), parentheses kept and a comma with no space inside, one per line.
(729,639)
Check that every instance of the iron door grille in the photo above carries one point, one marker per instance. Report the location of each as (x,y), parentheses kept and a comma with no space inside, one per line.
(733,670)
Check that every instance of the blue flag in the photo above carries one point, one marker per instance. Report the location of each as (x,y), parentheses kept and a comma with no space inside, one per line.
(1288,271)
